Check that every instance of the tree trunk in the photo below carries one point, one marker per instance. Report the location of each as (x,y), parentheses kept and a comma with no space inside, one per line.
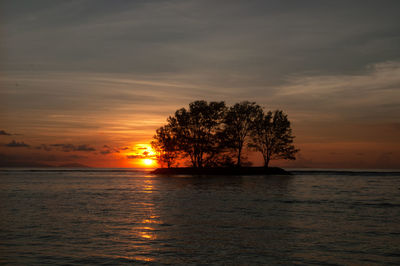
(238,159)
(266,162)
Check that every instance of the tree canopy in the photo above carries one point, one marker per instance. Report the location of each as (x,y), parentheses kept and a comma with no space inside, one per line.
(238,123)
(212,134)
(165,145)
(272,136)
(197,130)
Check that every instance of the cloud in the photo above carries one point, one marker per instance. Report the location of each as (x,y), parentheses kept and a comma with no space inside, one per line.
(64,147)
(72,147)
(16,144)
(160,55)
(144,155)
(4,133)
(135,156)
(242,42)
(84,148)
(107,149)
(43,147)
(371,96)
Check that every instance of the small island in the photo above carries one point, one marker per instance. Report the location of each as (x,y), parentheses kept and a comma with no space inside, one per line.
(211,139)
(231,171)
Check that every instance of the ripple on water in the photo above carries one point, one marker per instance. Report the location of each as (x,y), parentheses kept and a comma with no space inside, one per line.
(136,218)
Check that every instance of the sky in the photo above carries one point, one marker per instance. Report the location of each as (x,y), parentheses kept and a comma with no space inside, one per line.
(89,82)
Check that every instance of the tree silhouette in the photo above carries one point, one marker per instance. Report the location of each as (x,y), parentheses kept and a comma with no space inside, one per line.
(197,130)
(239,122)
(165,145)
(272,136)
(211,135)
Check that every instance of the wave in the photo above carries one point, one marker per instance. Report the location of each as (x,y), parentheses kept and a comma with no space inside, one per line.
(347,172)
(141,170)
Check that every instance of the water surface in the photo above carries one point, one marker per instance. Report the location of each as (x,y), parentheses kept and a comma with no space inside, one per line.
(100,216)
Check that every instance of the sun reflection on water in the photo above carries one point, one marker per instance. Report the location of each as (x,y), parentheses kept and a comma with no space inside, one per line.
(142,258)
(147,235)
(148,186)
(148,231)
(145,229)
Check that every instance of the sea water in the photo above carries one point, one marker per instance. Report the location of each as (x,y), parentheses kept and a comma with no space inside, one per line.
(117,216)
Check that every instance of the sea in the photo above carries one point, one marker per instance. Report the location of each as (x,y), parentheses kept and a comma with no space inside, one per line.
(131,216)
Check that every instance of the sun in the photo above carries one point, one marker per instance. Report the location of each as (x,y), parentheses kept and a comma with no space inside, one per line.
(142,155)
(148,162)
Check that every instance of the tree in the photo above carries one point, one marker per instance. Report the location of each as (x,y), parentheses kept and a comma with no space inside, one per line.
(210,135)
(272,136)
(165,145)
(239,122)
(197,130)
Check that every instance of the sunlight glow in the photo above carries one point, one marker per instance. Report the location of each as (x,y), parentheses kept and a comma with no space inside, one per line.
(142,155)
(144,149)
(148,162)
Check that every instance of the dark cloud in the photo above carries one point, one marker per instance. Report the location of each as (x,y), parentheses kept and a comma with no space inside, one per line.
(72,147)
(144,155)
(311,58)
(255,42)
(135,156)
(84,148)
(43,147)
(4,133)
(16,144)
(64,147)
(108,149)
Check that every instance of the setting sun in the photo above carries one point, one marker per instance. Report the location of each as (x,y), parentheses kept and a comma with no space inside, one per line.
(141,155)
(148,162)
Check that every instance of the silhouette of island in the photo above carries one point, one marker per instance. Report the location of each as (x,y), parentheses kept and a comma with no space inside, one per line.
(222,171)
(212,138)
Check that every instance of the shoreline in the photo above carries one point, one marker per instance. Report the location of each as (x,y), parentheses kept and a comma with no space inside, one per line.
(221,171)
